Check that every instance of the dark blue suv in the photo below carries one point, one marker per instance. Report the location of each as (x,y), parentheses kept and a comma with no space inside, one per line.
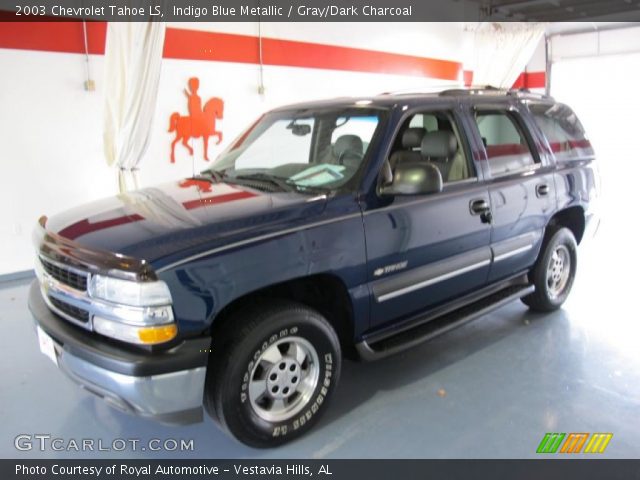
(347,227)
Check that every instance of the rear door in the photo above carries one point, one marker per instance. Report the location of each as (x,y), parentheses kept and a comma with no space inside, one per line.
(521,187)
(425,249)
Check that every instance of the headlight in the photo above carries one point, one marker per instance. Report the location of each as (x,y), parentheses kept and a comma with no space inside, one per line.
(138,312)
(125,292)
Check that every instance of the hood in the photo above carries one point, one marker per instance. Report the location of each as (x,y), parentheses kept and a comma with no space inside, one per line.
(178,219)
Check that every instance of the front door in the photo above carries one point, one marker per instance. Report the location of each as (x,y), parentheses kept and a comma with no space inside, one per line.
(423,250)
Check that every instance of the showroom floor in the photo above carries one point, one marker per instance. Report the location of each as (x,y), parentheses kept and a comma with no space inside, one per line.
(488,390)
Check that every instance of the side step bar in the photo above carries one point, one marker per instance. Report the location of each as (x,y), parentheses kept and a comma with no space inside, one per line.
(433,324)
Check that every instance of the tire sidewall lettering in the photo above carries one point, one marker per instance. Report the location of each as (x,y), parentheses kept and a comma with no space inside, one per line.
(573,257)
(313,406)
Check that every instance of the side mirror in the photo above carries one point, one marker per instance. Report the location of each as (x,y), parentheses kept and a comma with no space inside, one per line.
(414,178)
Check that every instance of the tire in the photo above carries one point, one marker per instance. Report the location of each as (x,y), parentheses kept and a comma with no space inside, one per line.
(286,349)
(554,271)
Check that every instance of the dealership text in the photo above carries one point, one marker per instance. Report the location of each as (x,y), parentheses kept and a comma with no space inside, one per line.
(46,442)
(144,470)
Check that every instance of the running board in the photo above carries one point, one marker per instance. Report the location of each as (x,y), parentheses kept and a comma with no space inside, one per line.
(432,326)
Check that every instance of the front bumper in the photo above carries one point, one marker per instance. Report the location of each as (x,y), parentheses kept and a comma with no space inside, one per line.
(167,386)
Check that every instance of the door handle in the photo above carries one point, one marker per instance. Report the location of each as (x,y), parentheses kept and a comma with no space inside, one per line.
(542,189)
(481,207)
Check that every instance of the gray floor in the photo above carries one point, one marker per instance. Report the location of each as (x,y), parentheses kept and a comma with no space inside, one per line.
(488,390)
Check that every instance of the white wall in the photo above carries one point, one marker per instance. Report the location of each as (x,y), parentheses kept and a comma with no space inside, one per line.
(600,87)
(537,61)
(51,145)
(596,77)
(51,129)
(595,43)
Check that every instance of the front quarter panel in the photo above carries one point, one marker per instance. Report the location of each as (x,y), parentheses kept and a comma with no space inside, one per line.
(331,243)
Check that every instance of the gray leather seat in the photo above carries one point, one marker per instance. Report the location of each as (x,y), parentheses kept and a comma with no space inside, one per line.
(348,150)
(441,149)
(411,144)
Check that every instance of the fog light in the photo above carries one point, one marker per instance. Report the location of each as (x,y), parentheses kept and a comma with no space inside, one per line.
(143,335)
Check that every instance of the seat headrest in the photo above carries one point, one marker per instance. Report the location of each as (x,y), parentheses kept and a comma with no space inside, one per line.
(440,144)
(412,137)
(347,144)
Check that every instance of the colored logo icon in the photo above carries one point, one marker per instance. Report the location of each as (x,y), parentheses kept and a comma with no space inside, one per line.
(201,122)
(574,443)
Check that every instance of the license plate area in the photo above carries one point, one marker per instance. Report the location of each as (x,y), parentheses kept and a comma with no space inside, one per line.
(47,346)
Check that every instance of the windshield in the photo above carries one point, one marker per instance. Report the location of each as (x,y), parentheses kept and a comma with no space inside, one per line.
(297,150)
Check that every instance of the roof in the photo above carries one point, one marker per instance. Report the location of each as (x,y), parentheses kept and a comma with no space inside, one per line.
(389,99)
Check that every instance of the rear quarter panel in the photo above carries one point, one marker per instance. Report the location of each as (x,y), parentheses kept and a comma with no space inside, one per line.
(577,184)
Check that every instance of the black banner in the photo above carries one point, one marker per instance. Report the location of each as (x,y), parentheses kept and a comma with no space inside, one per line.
(312,10)
(566,469)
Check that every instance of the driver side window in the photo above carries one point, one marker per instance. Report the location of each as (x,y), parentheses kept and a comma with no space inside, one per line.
(433,137)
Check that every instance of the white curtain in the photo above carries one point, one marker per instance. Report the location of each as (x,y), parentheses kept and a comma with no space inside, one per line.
(501,51)
(133,57)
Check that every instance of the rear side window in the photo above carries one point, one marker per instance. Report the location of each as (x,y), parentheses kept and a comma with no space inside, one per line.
(563,130)
(506,146)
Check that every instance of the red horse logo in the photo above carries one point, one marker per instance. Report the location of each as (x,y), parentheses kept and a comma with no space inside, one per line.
(201,122)
(203,186)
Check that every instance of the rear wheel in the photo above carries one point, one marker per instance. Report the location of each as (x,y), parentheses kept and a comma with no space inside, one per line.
(271,377)
(554,271)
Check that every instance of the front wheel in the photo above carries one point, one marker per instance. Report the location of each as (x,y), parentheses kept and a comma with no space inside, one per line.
(272,378)
(554,271)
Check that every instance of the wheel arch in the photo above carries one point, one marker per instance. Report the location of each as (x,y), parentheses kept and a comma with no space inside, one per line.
(325,293)
(572,218)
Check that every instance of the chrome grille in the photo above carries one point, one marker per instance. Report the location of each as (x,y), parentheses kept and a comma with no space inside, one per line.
(79,314)
(67,276)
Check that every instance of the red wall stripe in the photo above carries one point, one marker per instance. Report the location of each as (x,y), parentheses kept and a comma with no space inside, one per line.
(467,76)
(312,55)
(531,80)
(225,47)
(199,45)
(227,197)
(83,227)
(65,37)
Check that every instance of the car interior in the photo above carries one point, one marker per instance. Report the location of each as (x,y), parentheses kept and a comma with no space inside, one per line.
(433,138)
(506,147)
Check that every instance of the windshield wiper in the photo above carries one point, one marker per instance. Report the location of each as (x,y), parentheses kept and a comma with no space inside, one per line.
(311,188)
(218,175)
(279,182)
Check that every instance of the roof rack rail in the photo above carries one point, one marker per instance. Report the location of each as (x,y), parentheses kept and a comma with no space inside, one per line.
(486,90)
(526,93)
(490,90)
(417,91)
